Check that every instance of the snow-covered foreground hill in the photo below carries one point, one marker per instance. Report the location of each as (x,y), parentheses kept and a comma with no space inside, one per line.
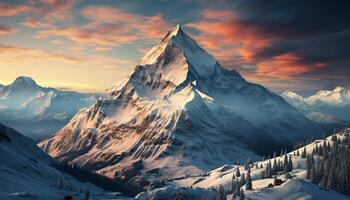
(326,106)
(295,188)
(26,172)
(180,112)
(36,111)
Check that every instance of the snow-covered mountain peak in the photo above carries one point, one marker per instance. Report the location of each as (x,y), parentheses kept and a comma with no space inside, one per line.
(24,82)
(176,41)
(24,103)
(325,106)
(174,113)
(338,96)
(292,94)
(175,30)
(338,89)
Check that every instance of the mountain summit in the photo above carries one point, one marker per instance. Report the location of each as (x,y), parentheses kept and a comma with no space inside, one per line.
(38,111)
(24,83)
(180,112)
(325,106)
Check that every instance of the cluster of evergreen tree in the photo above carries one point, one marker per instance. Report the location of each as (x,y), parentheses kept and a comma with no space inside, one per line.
(221,193)
(113,185)
(237,192)
(278,165)
(329,165)
(61,184)
(238,181)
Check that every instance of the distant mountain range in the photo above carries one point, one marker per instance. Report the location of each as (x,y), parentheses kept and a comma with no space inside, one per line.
(179,113)
(326,106)
(38,111)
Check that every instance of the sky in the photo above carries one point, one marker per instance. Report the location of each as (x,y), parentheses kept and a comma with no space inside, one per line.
(89,45)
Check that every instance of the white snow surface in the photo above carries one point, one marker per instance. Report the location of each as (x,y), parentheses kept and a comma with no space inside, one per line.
(27,172)
(296,188)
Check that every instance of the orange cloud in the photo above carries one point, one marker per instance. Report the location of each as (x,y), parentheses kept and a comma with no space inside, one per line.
(57,42)
(12,9)
(284,66)
(237,43)
(53,10)
(33,23)
(103,49)
(103,35)
(11,54)
(40,13)
(218,14)
(111,27)
(5,30)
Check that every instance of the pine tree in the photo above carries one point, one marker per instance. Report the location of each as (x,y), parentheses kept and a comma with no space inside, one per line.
(221,194)
(238,173)
(281,154)
(238,188)
(249,184)
(303,154)
(243,180)
(285,167)
(313,174)
(263,175)
(234,196)
(308,167)
(233,183)
(323,183)
(275,167)
(279,165)
(242,196)
(269,169)
(246,165)
(331,176)
(290,164)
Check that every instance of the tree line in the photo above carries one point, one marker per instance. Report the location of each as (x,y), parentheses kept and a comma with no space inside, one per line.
(329,165)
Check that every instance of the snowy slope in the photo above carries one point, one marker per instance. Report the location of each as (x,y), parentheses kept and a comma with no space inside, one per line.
(326,106)
(296,188)
(180,112)
(27,172)
(25,104)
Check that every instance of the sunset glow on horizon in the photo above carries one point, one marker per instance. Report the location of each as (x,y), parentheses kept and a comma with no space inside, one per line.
(88,46)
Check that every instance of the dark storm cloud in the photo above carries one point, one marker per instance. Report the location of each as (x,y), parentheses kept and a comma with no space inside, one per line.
(295,18)
(317,32)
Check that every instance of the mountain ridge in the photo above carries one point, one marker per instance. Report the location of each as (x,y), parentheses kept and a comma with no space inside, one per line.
(173,116)
(24,103)
(325,106)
